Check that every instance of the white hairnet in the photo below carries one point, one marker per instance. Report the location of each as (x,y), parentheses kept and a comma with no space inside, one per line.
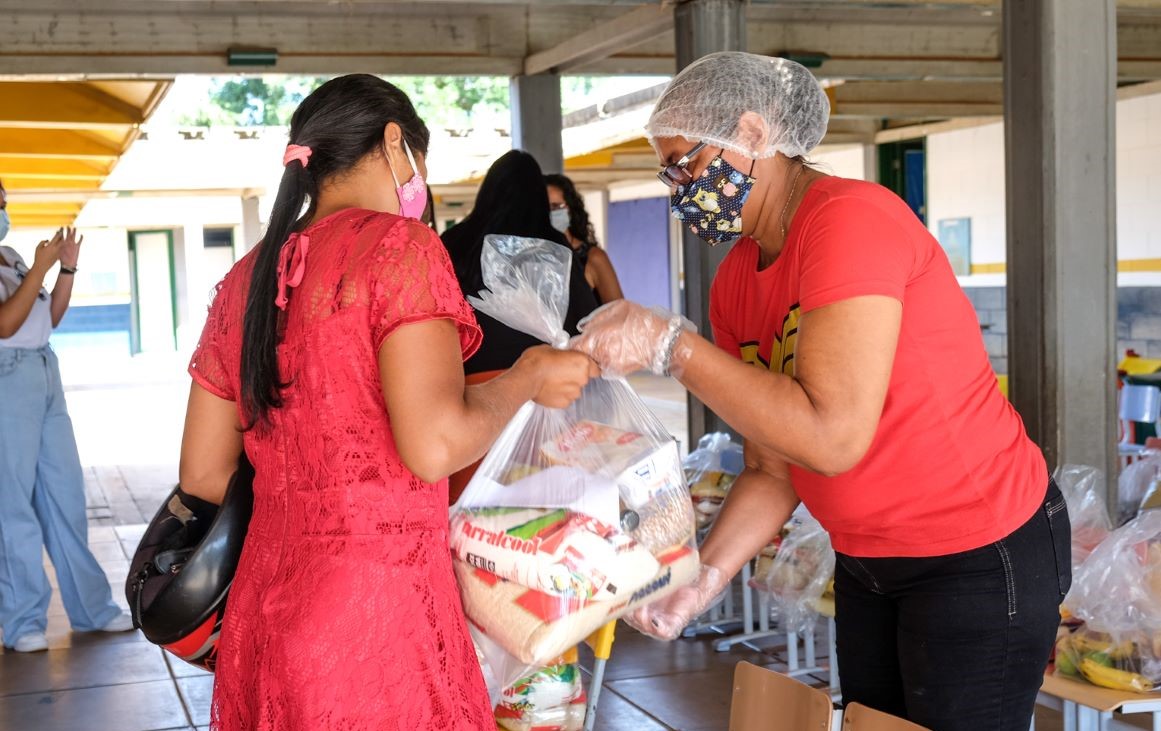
(705,101)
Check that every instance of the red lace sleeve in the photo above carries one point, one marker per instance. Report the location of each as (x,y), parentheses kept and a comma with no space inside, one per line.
(412,281)
(208,366)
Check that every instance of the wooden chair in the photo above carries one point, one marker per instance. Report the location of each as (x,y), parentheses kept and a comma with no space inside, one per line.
(768,701)
(858,717)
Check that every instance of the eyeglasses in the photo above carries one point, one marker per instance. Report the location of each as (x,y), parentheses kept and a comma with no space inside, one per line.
(558,206)
(677,175)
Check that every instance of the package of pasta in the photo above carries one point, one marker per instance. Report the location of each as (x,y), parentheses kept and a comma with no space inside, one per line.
(575,516)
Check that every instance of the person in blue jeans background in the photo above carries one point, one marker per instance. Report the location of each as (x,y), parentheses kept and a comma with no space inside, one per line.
(42,491)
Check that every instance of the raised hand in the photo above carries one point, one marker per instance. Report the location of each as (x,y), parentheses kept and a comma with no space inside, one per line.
(70,249)
(48,253)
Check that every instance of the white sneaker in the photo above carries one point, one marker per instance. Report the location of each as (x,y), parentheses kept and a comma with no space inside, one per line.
(121,623)
(31,642)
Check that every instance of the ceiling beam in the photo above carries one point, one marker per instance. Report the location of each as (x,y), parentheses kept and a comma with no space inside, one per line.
(56,144)
(47,105)
(915,131)
(603,40)
(942,40)
(51,197)
(305,64)
(67,169)
(915,100)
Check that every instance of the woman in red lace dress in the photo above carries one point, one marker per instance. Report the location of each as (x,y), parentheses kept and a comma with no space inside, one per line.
(333,354)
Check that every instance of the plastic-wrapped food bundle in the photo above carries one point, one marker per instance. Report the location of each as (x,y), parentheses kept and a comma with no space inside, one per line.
(1117,594)
(550,699)
(576,516)
(1137,487)
(1083,488)
(800,574)
(710,470)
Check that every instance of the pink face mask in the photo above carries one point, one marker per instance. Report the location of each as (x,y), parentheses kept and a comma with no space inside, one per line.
(413,193)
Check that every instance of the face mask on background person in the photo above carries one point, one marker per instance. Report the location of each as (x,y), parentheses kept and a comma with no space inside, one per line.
(5,223)
(711,205)
(559,219)
(413,193)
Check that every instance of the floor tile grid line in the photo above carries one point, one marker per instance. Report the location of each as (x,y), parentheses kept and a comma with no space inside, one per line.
(91,686)
(606,691)
(177,687)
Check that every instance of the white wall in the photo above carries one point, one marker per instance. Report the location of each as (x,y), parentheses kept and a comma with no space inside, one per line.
(102,270)
(845,162)
(1139,178)
(965,178)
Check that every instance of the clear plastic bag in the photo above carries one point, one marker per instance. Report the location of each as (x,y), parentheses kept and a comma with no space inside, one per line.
(549,699)
(1117,594)
(1083,488)
(799,575)
(576,516)
(1137,486)
(710,470)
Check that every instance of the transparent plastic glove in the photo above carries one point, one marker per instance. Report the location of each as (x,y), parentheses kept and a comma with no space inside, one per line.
(666,618)
(624,337)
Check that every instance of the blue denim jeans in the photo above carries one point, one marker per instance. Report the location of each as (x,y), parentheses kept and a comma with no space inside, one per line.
(956,642)
(42,503)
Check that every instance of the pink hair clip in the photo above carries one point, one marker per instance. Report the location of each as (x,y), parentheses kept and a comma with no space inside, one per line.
(296,152)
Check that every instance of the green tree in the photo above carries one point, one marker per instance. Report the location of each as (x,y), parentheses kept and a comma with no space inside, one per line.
(455,102)
(254,101)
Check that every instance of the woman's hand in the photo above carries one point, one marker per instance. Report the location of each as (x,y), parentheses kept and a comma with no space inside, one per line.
(666,618)
(48,253)
(70,249)
(560,375)
(624,337)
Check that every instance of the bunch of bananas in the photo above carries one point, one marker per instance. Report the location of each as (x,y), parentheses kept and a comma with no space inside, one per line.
(1100,660)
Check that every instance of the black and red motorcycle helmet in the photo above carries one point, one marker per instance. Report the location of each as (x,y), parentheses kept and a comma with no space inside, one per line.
(180,576)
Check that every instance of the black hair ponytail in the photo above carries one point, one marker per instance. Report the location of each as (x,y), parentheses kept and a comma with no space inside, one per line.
(341,122)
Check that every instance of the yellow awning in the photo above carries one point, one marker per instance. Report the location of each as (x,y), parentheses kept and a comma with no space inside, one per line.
(59,137)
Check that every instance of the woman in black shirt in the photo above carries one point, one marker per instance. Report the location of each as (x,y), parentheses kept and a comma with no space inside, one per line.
(511,200)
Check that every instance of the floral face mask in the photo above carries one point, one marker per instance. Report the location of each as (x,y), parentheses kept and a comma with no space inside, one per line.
(711,205)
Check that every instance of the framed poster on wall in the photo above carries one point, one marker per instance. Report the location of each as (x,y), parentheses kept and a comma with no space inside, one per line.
(955,236)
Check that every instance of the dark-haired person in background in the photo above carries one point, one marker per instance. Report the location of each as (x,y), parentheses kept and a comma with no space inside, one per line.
(334,354)
(568,215)
(42,486)
(512,200)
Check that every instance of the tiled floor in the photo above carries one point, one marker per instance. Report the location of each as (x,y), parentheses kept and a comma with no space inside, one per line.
(92,682)
(121,682)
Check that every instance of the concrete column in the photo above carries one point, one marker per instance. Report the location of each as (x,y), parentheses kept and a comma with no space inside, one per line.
(597,205)
(1060,111)
(251,225)
(871,162)
(536,119)
(193,291)
(702,27)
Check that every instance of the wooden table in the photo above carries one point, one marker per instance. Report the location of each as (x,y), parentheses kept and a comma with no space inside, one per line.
(1087,707)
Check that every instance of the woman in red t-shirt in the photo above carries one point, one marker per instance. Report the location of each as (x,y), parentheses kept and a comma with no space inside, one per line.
(873,402)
